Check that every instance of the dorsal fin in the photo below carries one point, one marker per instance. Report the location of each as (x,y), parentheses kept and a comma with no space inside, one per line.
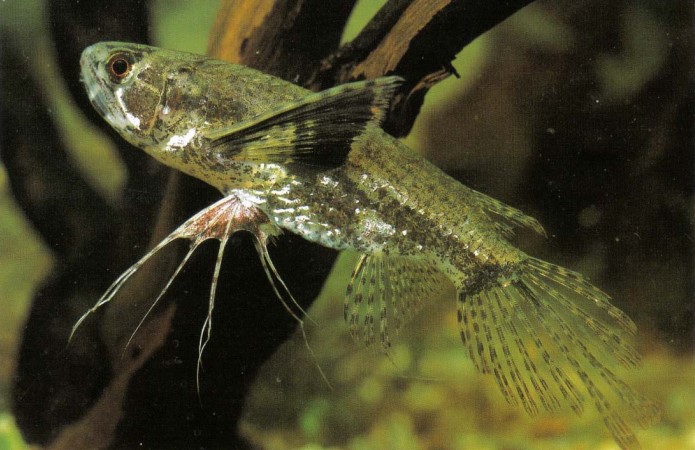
(510,215)
(317,130)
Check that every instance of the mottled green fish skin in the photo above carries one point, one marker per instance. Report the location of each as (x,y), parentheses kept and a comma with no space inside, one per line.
(318,165)
(385,199)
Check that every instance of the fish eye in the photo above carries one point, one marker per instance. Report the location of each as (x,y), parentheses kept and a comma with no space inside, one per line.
(119,66)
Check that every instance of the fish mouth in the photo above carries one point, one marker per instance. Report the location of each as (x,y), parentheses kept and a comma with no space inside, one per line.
(98,89)
(98,100)
(93,86)
(101,94)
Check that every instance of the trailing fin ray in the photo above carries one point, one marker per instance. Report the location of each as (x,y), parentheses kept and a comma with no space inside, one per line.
(209,223)
(317,130)
(544,332)
(218,221)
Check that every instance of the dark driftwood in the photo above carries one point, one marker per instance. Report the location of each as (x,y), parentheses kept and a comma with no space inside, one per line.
(90,393)
(417,40)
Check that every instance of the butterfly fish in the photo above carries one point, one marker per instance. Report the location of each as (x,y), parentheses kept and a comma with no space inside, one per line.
(319,165)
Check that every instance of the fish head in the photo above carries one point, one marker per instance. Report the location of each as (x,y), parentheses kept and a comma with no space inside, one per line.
(117,77)
(127,85)
(162,101)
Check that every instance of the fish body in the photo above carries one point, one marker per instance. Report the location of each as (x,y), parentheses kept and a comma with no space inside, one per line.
(384,198)
(318,165)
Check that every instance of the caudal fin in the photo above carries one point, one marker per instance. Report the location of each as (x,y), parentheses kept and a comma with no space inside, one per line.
(549,337)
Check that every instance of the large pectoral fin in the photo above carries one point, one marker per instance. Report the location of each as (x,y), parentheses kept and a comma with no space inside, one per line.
(388,290)
(317,130)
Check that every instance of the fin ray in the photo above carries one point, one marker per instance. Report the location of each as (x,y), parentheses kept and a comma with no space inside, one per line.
(389,289)
(549,336)
(317,130)
(511,216)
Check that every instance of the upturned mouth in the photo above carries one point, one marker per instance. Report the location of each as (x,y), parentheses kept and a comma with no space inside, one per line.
(101,95)
(98,101)
(96,96)
(90,80)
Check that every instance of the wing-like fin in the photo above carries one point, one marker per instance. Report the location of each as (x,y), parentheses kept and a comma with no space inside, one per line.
(549,337)
(317,130)
(384,292)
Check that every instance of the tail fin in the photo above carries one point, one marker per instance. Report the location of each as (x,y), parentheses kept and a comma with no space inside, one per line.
(548,337)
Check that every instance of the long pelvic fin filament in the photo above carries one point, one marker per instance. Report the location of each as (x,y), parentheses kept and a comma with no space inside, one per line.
(164,290)
(120,281)
(206,331)
(272,275)
(203,226)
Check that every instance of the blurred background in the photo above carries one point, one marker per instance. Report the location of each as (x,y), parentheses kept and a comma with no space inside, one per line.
(579,113)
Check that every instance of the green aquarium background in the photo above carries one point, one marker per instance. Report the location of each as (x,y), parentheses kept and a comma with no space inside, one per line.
(579,113)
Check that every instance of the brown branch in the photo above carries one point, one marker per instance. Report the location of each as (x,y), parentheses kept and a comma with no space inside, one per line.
(362,45)
(419,47)
(286,38)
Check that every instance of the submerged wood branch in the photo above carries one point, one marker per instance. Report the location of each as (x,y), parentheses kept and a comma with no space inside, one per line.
(416,40)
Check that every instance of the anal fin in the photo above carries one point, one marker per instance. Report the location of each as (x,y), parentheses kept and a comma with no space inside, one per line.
(384,293)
